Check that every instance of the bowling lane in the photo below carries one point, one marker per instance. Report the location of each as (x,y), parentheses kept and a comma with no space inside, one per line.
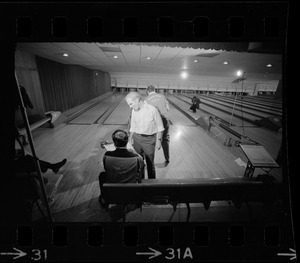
(94,113)
(177,118)
(194,154)
(241,109)
(185,105)
(269,108)
(120,114)
(227,110)
(217,110)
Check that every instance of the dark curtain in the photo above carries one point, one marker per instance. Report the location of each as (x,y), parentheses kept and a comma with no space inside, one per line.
(64,86)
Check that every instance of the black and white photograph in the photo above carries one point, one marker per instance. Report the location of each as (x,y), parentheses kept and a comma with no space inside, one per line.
(153,132)
(147,132)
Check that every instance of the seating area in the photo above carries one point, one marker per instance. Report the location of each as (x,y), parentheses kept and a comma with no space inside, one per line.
(203,190)
(50,118)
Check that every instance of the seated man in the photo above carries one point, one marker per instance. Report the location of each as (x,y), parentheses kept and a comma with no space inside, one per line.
(121,165)
(25,163)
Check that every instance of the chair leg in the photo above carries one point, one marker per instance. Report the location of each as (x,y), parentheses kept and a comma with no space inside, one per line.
(189,212)
(174,206)
(124,212)
(40,209)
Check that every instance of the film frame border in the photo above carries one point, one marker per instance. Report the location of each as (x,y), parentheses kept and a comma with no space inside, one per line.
(181,19)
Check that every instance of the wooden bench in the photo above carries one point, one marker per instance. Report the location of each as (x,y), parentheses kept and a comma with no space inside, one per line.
(202,190)
(51,117)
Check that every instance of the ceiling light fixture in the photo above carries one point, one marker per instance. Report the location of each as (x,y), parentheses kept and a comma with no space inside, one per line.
(148,58)
(239,73)
(269,65)
(184,75)
(115,56)
(225,63)
(65,55)
(196,61)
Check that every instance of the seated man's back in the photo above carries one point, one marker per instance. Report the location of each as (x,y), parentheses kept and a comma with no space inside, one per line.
(123,166)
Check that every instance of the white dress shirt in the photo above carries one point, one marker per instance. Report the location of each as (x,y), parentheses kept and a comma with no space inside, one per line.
(146,120)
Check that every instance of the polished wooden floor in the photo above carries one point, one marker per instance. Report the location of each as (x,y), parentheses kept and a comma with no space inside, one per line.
(194,153)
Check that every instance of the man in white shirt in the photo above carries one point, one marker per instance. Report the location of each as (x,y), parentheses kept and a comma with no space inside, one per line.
(160,102)
(146,129)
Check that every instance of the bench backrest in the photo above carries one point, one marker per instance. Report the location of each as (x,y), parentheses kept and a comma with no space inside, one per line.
(189,191)
(122,170)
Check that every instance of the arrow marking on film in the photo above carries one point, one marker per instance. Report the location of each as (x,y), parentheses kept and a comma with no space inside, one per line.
(18,254)
(154,253)
(292,255)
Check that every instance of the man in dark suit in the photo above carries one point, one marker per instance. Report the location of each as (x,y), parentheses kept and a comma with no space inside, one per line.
(122,165)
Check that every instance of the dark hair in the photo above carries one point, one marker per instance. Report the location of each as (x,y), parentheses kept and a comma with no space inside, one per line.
(120,138)
(150,88)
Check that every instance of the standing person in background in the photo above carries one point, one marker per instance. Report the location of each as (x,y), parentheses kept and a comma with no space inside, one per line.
(146,128)
(160,102)
(195,104)
(198,101)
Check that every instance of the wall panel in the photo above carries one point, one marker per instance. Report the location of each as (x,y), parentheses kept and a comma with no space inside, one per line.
(28,77)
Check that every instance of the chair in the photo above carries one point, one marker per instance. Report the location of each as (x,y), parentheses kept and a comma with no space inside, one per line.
(28,188)
(120,170)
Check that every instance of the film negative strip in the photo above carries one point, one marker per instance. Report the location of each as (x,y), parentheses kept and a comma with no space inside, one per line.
(240,232)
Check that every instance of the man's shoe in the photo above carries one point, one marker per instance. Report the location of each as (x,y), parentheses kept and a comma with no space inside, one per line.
(55,167)
(167,162)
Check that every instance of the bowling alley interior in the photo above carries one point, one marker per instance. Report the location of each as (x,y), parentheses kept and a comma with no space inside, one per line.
(228,158)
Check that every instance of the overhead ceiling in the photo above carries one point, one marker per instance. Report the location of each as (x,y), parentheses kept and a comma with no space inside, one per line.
(167,58)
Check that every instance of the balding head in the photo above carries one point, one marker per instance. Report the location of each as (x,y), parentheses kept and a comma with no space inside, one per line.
(151,88)
(133,100)
(132,96)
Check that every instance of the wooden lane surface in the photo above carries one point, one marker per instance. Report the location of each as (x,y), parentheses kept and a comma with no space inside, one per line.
(238,115)
(177,118)
(120,115)
(271,140)
(81,146)
(250,111)
(91,115)
(265,99)
(251,104)
(194,154)
(185,106)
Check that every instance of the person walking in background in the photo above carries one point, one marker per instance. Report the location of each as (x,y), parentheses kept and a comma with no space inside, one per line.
(146,129)
(160,102)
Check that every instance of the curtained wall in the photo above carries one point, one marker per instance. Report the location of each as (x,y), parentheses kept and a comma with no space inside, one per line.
(53,86)
(67,86)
